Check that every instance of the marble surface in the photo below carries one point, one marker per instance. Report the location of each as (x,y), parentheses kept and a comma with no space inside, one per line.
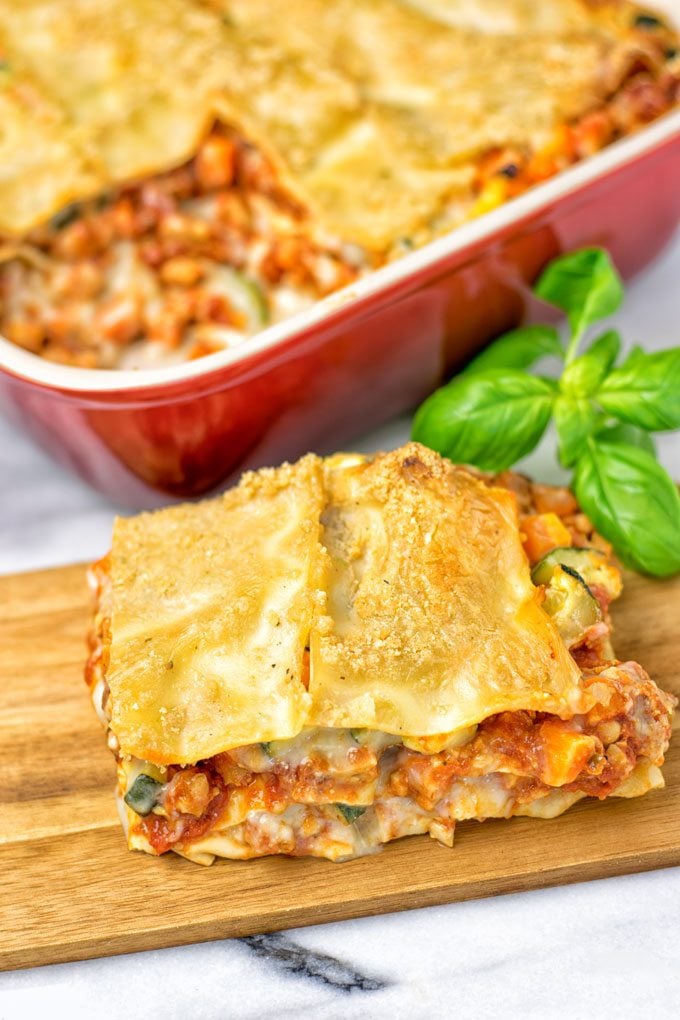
(609,947)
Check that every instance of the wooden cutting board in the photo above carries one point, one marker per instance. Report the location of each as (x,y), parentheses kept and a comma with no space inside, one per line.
(70,890)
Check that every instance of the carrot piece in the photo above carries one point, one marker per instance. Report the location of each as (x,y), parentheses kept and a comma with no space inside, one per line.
(566,753)
(554,499)
(543,532)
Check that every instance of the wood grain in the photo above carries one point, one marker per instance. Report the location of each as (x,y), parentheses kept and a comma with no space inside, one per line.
(69,888)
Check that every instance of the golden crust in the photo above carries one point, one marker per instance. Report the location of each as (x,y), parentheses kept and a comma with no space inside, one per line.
(404,574)
(433,622)
(372,113)
(212,607)
(44,161)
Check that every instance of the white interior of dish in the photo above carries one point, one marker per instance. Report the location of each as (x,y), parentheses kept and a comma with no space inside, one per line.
(36,369)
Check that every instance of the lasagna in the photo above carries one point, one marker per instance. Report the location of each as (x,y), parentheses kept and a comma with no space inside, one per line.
(337,653)
(176,174)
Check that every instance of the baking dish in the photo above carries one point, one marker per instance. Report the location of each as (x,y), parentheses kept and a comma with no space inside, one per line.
(356,358)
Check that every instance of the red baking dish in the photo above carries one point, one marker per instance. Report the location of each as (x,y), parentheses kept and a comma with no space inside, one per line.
(357,358)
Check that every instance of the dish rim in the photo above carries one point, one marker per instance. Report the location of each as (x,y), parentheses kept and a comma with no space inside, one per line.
(33,369)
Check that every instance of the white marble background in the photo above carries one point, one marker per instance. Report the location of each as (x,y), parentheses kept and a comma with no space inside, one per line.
(609,948)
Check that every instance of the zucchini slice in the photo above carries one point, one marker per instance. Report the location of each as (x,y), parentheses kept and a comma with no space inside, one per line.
(592,565)
(350,812)
(570,602)
(244,293)
(143,795)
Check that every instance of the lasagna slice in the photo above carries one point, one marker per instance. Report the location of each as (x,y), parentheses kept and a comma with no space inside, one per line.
(177,174)
(340,652)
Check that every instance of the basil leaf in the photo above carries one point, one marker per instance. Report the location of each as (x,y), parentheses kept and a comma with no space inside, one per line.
(584,284)
(575,419)
(586,373)
(520,348)
(633,502)
(623,433)
(645,390)
(635,353)
(490,419)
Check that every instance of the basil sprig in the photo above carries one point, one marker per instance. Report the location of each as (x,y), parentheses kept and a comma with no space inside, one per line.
(467,422)
(495,412)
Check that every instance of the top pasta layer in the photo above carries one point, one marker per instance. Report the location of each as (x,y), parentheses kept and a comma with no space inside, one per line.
(389,594)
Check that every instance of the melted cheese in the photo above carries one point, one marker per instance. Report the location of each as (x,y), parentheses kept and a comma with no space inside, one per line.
(481,797)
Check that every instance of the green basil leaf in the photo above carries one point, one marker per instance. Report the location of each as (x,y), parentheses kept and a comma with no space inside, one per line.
(645,390)
(633,502)
(520,348)
(635,353)
(575,419)
(584,284)
(490,419)
(586,373)
(623,433)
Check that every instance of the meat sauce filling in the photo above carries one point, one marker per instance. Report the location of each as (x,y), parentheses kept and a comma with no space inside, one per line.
(180,265)
(590,754)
